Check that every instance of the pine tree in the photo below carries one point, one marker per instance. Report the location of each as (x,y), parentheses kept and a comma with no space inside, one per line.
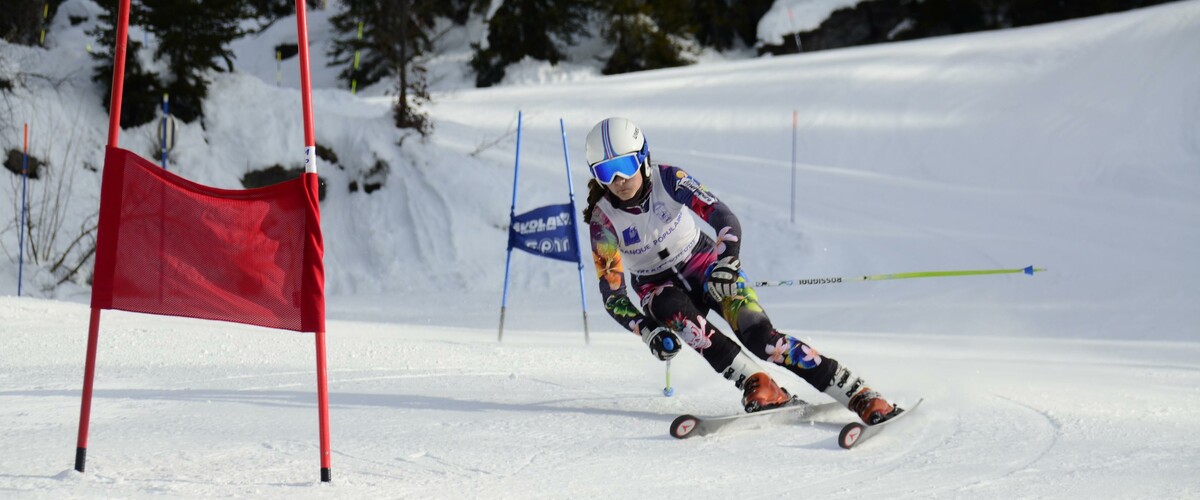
(720,23)
(413,23)
(395,37)
(271,9)
(193,36)
(638,32)
(141,88)
(535,28)
(22,22)
(371,66)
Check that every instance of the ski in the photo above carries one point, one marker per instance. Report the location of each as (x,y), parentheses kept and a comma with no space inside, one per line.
(686,426)
(856,432)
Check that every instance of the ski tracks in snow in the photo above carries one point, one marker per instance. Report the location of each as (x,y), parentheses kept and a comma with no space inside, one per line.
(1041,434)
(979,446)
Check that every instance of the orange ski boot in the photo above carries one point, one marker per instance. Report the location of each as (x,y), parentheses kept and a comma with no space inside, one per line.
(759,392)
(870,406)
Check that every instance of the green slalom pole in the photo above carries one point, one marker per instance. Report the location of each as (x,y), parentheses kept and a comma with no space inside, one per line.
(897,276)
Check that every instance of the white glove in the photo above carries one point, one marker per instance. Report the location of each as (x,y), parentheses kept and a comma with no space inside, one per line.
(723,278)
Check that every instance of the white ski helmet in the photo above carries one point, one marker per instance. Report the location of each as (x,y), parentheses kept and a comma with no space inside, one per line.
(616,148)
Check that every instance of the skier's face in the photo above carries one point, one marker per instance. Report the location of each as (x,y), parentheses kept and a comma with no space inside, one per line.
(624,189)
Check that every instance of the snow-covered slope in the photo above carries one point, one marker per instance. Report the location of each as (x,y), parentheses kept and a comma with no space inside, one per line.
(193,409)
(1071,146)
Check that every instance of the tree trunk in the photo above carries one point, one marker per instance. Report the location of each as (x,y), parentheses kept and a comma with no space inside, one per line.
(402,71)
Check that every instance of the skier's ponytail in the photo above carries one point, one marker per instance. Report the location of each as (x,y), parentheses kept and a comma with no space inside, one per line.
(595,192)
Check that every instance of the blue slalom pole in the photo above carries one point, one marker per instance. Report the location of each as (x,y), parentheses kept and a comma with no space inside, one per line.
(21,232)
(512,213)
(578,248)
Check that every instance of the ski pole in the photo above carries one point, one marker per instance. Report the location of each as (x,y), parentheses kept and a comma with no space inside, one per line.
(897,276)
(668,391)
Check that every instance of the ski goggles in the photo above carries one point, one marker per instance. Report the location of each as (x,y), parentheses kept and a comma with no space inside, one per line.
(624,166)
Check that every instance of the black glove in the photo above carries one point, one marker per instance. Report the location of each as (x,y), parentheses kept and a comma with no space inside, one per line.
(664,344)
(723,278)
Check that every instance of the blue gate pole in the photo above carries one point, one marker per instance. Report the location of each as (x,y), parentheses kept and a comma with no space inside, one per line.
(21,232)
(512,213)
(578,249)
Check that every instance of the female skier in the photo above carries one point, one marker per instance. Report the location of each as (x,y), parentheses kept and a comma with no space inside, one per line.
(638,222)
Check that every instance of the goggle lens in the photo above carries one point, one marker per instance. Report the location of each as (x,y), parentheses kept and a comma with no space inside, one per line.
(624,166)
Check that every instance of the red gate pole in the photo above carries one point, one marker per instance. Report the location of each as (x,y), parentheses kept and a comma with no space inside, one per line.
(323,408)
(114,131)
(310,170)
(85,407)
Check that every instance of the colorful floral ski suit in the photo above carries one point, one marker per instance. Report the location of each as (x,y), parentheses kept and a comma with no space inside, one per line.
(647,230)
